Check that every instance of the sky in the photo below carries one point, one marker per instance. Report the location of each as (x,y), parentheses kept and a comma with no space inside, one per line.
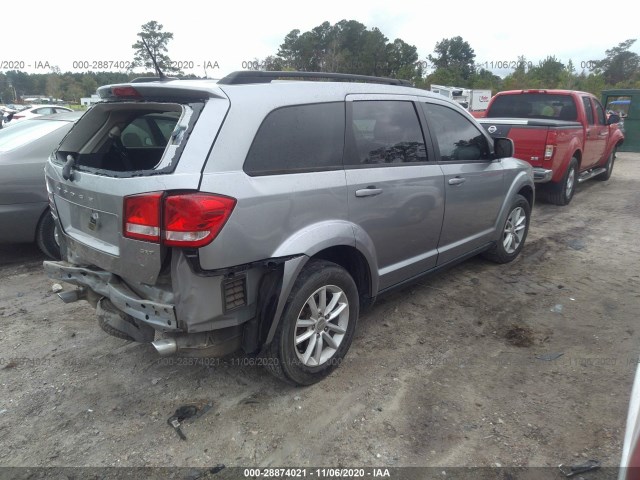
(226,35)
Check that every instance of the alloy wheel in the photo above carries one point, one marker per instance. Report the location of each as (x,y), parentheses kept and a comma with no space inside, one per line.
(321,325)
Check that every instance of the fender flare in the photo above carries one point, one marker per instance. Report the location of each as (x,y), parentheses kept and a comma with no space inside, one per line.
(312,240)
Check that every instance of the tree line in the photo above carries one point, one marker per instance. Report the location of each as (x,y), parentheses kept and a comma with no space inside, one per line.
(349,46)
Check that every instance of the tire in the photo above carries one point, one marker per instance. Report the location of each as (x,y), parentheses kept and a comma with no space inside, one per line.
(46,236)
(513,234)
(562,193)
(606,175)
(298,363)
(114,332)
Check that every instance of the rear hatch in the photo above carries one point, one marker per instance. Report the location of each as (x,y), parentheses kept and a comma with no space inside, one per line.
(145,141)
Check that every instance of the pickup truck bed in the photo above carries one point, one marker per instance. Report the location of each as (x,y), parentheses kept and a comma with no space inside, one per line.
(563,134)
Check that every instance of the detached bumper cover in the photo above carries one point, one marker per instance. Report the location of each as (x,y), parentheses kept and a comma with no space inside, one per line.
(160,316)
(542,175)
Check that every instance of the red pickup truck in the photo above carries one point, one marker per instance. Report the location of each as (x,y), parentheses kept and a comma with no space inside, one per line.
(564,134)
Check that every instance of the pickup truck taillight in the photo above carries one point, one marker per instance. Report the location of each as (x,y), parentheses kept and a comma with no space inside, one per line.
(552,141)
(177,220)
(548,152)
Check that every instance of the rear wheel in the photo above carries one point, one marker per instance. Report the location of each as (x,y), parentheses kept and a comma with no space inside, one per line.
(562,192)
(606,175)
(46,236)
(317,325)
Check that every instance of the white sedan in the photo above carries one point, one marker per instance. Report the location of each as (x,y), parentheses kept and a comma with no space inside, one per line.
(36,111)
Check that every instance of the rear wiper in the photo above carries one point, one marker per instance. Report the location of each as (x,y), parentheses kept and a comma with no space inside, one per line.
(67,174)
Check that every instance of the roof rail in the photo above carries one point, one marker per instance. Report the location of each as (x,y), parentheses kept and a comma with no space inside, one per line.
(258,76)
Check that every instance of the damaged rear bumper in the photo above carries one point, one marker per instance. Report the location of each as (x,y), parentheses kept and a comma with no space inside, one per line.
(160,316)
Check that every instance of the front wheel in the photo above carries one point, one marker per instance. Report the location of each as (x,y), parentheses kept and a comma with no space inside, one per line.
(317,325)
(606,175)
(513,234)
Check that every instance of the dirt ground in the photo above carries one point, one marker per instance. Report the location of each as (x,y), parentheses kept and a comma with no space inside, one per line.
(457,370)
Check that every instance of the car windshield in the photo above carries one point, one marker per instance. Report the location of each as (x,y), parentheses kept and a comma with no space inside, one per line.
(21,133)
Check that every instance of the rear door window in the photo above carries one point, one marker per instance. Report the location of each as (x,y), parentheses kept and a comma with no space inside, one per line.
(44,111)
(384,132)
(299,138)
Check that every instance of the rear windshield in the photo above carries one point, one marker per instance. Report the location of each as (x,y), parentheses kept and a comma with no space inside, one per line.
(21,133)
(129,137)
(534,105)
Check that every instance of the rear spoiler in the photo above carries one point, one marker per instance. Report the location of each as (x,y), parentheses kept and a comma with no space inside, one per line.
(178,90)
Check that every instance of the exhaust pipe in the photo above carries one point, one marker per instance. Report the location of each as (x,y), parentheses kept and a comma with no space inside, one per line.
(202,344)
(165,346)
(73,295)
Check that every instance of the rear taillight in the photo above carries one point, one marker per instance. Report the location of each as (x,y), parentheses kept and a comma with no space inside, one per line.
(552,141)
(16,117)
(142,216)
(194,220)
(187,219)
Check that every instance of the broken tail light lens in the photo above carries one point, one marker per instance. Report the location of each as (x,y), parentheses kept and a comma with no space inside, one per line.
(195,219)
(142,216)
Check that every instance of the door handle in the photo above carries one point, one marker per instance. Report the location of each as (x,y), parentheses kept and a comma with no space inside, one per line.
(370,191)
(457,180)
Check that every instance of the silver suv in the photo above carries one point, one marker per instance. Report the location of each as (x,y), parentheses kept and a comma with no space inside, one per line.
(262,213)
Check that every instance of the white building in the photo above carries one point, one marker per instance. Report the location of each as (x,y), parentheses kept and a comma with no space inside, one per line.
(88,101)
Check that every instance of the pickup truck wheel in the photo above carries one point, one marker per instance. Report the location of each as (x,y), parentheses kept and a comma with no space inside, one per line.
(317,325)
(46,236)
(606,175)
(561,193)
(514,232)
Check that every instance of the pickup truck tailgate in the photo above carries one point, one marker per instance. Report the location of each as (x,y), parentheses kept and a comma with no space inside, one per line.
(529,136)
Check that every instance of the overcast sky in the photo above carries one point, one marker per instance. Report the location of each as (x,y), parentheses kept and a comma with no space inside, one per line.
(231,33)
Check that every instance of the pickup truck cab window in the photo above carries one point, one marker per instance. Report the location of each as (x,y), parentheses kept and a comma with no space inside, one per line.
(534,105)
(600,113)
(587,110)
(458,139)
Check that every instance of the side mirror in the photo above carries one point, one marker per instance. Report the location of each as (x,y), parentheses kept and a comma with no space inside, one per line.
(613,118)
(503,147)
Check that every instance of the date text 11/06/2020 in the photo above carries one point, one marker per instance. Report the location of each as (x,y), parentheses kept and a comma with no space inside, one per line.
(274,472)
(516,64)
